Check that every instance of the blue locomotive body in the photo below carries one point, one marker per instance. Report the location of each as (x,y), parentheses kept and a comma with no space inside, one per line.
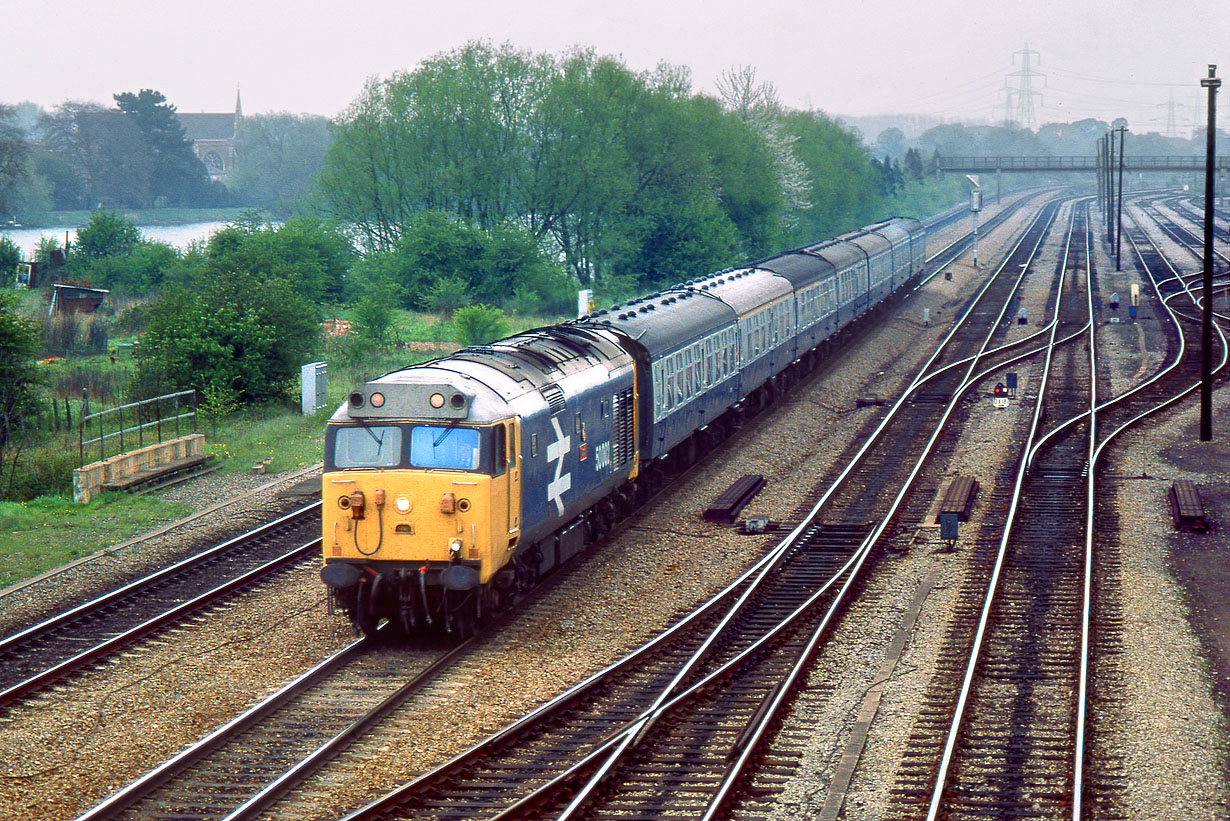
(565,427)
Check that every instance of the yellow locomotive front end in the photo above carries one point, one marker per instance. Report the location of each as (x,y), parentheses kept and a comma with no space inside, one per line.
(421,507)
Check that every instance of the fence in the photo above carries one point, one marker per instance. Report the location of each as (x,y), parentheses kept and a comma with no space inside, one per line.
(140,421)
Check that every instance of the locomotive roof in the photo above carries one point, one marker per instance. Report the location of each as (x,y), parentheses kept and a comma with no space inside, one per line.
(488,377)
(895,230)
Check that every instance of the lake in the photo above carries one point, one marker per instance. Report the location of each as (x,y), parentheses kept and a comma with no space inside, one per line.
(178,236)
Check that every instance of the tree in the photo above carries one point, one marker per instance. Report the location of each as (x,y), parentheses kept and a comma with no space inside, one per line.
(14,152)
(282,156)
(105,151)
(10,255)
(914,165)
(758,105)
(592,158)
(891,142)
(236,334)
(177,175)
(844,185)
(19,340)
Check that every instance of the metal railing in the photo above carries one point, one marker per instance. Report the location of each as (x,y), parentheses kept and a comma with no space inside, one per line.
(145,420)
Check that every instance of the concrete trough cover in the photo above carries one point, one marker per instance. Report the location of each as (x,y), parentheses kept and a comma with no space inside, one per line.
(726,507)
(958,497)
(1187,507)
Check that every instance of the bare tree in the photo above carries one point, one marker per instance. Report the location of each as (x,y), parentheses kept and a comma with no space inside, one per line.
(758,103)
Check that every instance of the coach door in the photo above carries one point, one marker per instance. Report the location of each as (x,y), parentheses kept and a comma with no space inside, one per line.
(509,433)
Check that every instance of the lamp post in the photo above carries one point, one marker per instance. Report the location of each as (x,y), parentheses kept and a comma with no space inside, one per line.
(1206,326)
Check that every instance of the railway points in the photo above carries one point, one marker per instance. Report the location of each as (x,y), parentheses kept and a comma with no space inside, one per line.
(809,739)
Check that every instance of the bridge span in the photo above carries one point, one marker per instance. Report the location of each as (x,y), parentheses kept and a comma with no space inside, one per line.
(972,165)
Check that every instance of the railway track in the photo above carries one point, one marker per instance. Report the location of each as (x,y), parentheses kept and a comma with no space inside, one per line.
(741,667)
(1016,729)
(1010,731)
(248,759)
(660,727)
(45,653)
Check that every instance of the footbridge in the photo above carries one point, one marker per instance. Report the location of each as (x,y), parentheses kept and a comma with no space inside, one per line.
(1090,163)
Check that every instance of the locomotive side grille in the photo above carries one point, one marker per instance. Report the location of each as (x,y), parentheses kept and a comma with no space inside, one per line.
(555,398)
(624,445)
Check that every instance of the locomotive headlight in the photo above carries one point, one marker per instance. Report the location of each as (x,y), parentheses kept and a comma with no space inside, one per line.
(403,504)
(377,400)
(437,400)
(454,548)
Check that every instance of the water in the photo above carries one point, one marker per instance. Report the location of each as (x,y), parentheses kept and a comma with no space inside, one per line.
(178,236)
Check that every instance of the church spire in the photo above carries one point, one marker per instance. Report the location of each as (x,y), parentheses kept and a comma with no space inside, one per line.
(238,107)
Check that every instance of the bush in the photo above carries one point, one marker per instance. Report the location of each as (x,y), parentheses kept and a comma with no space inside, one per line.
(107,234)
(42,470)
(237,330)
(447,295)
(133,318)
(479,324)
(46,244)
(10,255)
(373,316)
(134,273)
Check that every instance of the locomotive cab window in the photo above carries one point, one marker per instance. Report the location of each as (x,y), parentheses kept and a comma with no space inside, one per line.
(367,446)
(451,448)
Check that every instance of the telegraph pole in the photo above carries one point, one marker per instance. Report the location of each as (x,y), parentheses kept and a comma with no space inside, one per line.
(1206,353)
(1119,216)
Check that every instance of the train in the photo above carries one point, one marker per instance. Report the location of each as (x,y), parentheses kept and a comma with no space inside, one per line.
(452,487)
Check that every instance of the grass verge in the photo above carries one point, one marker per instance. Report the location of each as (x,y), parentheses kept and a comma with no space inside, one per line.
(51,531)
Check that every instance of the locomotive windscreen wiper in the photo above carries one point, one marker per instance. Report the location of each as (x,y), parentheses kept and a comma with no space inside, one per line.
(379,439)
(451,427)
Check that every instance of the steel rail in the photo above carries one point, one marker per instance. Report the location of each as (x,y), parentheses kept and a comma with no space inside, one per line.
(980,633)
(124,627)
(102,649)
(762,568)
(583,795)
(147,581)
(143,785)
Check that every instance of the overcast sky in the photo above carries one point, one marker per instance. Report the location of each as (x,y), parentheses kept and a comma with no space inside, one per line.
(951,58)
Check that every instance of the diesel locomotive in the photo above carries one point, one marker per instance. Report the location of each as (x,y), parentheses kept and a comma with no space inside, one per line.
(451,487)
